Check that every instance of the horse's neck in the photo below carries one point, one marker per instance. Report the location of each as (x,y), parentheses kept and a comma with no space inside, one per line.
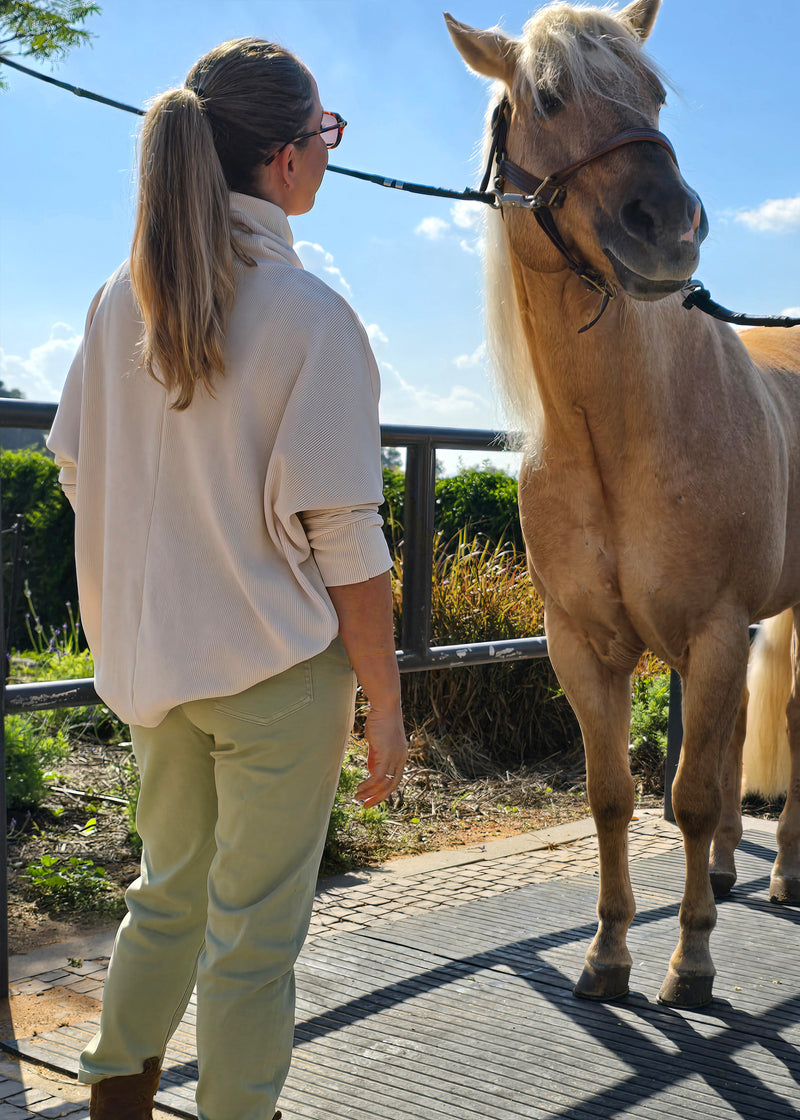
(614,381)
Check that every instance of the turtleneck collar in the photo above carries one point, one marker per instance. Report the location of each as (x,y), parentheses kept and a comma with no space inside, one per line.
(266,233)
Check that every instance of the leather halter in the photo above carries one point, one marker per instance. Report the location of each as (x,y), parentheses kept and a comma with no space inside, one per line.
(542,196)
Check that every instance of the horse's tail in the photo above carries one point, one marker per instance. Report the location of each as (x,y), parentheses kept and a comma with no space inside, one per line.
(766,760)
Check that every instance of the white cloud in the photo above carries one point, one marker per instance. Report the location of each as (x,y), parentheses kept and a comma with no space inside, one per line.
(791,312)
(405,403)
(470,361)
(375,334)
(476,246)
(776,215)
(432,228)
(320,262)
(466,215)
(42,374)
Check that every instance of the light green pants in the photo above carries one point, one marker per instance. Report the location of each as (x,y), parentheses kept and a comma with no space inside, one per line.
(235,798)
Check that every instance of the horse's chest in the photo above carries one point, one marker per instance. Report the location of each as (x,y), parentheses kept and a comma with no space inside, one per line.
(571,549)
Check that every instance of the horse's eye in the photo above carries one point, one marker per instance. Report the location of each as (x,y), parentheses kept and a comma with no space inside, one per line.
(548,103)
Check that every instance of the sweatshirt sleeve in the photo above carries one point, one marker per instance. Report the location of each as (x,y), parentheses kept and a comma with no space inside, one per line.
(324,481)
(64,437)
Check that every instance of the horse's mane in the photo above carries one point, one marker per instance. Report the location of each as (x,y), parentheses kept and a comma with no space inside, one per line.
(567,52)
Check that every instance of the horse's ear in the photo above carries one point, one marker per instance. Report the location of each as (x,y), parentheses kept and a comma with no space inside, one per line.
(487,52)
(640,16)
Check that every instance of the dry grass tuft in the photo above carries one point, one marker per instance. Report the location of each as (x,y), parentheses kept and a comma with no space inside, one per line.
(484,718)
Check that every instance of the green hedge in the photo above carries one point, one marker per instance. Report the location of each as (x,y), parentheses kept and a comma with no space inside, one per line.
(482,502)
(30,491)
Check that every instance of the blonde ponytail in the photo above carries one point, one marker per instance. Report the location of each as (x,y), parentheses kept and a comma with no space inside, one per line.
(182,259)
(240,103)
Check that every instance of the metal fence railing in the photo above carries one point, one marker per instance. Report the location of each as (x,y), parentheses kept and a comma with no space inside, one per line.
(416,654)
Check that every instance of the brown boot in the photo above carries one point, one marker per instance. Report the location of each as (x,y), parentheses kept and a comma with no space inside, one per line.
(126,1098)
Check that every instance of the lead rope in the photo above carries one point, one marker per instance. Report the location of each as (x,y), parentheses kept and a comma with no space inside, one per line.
(696,295)
(694,292)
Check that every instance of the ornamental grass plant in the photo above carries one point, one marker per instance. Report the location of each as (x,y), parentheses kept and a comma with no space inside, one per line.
(483,718)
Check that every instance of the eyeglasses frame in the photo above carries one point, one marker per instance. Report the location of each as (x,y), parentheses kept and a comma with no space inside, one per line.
(340,126)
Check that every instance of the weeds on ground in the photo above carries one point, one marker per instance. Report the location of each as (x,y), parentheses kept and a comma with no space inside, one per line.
(353,830)
(60,885)
(30,755)
(129,787)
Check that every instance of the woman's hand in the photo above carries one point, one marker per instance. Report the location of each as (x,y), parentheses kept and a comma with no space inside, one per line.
(365,625)
(388,751)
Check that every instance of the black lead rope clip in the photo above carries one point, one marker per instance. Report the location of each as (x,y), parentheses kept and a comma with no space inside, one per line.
(697,295)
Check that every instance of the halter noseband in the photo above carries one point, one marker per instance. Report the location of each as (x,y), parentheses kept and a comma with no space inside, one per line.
(542,196)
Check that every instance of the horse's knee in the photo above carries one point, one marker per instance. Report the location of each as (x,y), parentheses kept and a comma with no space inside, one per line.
(697,806)
(612,806)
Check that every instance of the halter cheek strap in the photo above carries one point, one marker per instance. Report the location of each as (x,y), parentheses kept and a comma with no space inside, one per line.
(542,196)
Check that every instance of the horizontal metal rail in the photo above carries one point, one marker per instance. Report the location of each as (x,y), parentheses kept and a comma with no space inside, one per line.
(44,695)
(40,696)
(477,653)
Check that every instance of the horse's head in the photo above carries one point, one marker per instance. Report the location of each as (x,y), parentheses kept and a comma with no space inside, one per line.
(577,79)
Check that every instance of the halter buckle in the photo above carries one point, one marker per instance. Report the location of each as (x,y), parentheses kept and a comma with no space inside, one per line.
(556,199)
(523,201)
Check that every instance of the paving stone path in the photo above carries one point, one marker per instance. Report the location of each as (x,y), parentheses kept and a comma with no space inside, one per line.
(346,903)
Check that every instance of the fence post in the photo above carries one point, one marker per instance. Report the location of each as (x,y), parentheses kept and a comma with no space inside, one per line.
(418,511)
(674,741)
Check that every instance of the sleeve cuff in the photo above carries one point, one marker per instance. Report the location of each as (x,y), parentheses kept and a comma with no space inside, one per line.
(67,478)
(348,548)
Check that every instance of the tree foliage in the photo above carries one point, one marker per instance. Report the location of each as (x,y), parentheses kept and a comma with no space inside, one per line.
(43,553)
(43,28)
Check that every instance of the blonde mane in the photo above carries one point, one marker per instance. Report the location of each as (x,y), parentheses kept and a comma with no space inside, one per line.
(566,52)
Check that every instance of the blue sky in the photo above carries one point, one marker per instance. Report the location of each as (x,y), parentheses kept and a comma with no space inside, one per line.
(410,266)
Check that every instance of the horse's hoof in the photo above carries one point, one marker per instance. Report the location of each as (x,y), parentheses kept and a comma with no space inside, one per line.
(785,890)
(686,991)
(603,982)
(722,882)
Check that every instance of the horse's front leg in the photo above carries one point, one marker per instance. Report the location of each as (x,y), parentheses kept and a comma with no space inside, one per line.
(722,863)
(601,698)
(784,886)
(713,683)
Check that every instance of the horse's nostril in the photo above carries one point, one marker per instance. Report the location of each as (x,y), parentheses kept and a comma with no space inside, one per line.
(638,221)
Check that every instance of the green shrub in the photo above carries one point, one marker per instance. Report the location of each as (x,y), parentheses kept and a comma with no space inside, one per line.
(479,502)
(31,495)
(649,721)
(392,510)
(30,753)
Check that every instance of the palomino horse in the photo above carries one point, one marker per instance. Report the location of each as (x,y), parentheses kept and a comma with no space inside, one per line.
(661,481)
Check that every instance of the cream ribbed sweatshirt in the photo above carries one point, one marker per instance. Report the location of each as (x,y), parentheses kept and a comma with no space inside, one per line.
(204,539)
